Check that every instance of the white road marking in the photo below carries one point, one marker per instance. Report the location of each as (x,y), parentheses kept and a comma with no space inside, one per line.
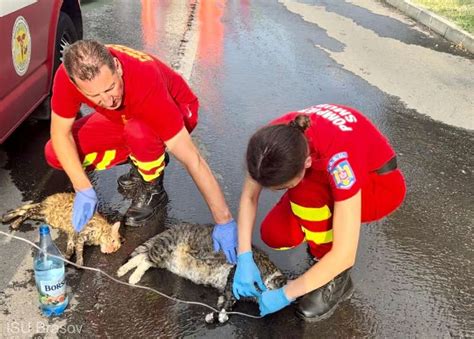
(190,52)
(434,83)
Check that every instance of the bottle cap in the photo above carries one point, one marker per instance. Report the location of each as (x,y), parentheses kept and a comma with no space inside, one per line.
(44,229)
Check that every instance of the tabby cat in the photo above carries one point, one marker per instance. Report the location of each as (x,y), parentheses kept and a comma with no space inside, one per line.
(56,211)
(187,250)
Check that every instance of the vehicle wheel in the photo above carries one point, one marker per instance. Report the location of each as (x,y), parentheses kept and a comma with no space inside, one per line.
(66,34)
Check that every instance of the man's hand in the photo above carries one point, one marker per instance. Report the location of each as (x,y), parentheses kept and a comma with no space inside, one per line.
(85,203)
(224,237)
(246,275)
(272,301)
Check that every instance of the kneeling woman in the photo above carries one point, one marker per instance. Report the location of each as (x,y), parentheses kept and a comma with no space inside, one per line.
(339,171)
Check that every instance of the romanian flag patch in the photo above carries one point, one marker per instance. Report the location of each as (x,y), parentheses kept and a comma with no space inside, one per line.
(343,175)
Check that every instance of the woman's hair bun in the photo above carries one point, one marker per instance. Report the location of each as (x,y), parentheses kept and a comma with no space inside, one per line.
(301,122)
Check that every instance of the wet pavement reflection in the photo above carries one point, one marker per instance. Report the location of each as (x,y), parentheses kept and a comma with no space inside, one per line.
(255,61)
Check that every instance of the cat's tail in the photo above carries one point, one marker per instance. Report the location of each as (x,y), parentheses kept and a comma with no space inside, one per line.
(142,264)
(16,216)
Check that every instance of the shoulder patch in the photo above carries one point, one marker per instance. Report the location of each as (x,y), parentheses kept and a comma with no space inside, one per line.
(335,158)
(343,175)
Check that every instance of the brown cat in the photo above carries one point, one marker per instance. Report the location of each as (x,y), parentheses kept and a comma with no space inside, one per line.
(56,211)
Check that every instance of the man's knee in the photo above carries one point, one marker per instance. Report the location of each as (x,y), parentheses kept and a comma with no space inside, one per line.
(51,157)
(143,141)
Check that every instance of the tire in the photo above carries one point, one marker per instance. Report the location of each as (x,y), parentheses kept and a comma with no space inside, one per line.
(65,33)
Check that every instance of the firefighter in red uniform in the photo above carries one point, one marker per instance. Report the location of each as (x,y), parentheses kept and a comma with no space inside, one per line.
(339,171)
(142,107)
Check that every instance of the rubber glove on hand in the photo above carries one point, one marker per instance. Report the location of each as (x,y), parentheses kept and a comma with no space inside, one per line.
(85,203)
(246,275)
(272,301)
(224,237)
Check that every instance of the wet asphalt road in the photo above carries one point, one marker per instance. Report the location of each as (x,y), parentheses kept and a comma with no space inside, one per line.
(254,61)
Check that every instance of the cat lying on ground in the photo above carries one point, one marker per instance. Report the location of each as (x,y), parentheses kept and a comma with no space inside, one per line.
(187,250)
(56,211)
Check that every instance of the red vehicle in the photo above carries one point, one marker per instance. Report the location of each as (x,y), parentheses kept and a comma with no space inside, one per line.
(32,35)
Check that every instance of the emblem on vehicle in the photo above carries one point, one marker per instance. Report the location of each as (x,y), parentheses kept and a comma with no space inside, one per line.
(21,46)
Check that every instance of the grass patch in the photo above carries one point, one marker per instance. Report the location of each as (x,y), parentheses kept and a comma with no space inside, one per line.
(461,12)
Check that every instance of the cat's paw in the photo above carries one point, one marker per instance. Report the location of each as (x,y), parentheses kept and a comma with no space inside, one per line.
(15,225)
(134,278)
(210,318)
(80,262)
(223,317)
(122,271)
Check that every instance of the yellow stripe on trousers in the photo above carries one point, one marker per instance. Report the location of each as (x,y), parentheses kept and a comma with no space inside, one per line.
(148,165)
(150,177)
(311,213)
(109,156)
(89,159)
(318,238)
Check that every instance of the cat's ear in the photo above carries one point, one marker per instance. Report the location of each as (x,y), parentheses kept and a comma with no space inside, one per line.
(115,227)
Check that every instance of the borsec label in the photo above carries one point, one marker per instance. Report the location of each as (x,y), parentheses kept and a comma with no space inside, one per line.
(21,46)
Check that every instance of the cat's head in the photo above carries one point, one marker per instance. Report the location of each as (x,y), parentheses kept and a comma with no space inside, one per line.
(275,281)
(111,241)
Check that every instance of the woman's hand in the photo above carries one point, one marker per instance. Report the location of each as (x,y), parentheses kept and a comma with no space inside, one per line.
(246,276)
(273,301)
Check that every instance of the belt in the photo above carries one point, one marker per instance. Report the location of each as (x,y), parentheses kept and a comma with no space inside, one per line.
(389,166)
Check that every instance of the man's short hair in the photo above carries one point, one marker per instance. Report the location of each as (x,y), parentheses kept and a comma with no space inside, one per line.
(84,58)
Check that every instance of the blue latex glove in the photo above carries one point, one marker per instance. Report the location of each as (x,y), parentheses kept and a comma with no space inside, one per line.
(272,301)
(246,275)
(85,203)
(224,237)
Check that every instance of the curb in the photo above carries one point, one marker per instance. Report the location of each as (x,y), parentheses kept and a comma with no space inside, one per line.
(436,23)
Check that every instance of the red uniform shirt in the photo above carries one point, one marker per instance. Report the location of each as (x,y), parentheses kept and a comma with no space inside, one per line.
(346,150)
(153,93)
(345,146)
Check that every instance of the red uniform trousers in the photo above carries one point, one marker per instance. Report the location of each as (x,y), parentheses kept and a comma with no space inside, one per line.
(102,144)
(304,213)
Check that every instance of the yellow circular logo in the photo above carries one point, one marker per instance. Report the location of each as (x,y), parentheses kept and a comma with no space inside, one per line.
(21,46)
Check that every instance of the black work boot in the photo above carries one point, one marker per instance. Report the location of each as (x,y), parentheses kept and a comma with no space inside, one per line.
(149,198)
(321,303)
(129,180)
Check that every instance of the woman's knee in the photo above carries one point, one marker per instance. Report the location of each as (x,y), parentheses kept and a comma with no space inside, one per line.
(383,196)
(281,231)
